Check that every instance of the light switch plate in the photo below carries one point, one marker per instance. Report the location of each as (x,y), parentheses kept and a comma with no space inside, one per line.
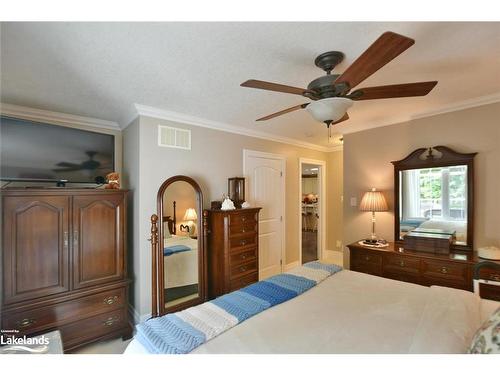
(354,202)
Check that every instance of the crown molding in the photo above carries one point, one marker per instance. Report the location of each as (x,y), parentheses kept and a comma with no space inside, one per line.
(458,106)
(143,110)
(42,115)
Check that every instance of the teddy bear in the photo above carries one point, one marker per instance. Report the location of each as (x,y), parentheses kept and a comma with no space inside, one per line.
(113,180)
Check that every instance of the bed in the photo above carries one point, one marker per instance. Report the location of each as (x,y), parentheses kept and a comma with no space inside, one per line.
(351,312)
(181,261)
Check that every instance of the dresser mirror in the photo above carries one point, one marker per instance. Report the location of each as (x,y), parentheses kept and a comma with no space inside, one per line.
(434,195)
(180,249)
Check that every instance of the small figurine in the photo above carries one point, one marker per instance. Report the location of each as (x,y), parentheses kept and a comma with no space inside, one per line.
(227,205)
(113,180)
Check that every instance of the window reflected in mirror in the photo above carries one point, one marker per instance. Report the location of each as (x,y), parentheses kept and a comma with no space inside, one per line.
(180,244)
(434,200)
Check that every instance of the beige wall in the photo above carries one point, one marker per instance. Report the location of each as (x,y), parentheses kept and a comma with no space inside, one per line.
(334,183)
(367,157)
(215,156)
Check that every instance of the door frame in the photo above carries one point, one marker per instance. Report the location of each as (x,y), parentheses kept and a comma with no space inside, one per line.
(322,206)
(252,153)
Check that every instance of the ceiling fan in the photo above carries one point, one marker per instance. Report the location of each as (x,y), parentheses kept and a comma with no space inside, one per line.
(89,164)
(331,94)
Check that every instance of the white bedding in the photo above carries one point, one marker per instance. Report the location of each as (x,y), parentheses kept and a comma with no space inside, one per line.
(181,268)
(351,312)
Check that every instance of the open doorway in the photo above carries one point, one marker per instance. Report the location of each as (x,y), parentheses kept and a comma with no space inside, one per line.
(312,209)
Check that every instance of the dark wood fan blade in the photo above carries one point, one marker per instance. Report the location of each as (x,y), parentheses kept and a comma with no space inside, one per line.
(344,118)
(394,91)
(388,46)
(291,109)
(69,165)
(255,84)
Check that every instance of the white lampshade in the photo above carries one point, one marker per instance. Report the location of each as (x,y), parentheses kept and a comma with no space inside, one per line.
(190,215)
(329,109)
(373,201)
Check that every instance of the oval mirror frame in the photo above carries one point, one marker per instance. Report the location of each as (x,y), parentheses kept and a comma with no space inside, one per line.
(202,259)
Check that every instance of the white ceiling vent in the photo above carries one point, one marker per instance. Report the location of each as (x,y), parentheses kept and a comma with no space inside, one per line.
(174,137)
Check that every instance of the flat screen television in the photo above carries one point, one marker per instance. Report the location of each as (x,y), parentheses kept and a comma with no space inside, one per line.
(32,151)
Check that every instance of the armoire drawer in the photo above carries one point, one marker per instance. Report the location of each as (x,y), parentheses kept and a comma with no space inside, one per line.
(53,315)
(93,327)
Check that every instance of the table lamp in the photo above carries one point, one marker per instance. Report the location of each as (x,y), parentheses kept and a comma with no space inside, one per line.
(373,201)
(190,216)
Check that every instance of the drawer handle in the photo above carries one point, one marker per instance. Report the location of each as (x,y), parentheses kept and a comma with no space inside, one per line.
(110,300)
(444,270)
(367,257)
(26,323)
(495,277)
(243,219)
(243,243)
(243,256)
(110,321)
(66,242)
(402,263)
(243,230)
(243,269)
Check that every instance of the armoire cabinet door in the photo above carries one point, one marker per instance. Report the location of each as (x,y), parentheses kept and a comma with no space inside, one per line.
(35,246)
(98,235)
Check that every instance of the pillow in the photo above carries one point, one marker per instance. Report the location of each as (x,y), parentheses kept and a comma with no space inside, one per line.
(487,338)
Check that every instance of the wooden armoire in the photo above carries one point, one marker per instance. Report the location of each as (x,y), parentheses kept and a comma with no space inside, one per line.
(64,263)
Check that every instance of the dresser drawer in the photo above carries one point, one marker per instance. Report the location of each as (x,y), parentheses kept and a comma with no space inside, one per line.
(489,274)
(243,269)
(244,281)
(93,327)
(243,229)
(49,316)
(241,218)
(449,270)
(236,243)
(242,256)
(401,265)
(366,262)
(489,291)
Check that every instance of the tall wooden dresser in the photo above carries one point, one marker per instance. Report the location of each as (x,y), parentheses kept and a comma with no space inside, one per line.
(64,263)
(233,249)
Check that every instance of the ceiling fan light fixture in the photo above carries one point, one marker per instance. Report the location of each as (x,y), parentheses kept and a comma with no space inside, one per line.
(329,109)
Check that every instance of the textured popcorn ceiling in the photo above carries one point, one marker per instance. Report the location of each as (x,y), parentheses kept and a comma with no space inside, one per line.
(101,69)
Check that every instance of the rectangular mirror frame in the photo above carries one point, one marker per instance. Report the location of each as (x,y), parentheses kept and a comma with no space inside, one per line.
(448,158)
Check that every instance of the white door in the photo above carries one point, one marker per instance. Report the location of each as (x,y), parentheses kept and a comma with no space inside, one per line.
(265,188)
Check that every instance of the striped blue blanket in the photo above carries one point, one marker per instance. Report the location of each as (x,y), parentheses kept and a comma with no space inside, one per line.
(183,331)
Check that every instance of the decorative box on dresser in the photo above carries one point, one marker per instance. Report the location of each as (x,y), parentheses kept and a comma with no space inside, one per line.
(452,270)
(64,263)
(233,249)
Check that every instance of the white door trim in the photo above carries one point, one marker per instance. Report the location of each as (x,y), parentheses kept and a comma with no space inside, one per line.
(253,153)
(322,206)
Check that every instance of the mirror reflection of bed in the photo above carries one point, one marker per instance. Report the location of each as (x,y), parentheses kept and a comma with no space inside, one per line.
(434,200)
(180,244)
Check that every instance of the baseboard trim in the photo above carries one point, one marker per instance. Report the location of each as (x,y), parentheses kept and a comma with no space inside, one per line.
(289,266)
(136,317)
